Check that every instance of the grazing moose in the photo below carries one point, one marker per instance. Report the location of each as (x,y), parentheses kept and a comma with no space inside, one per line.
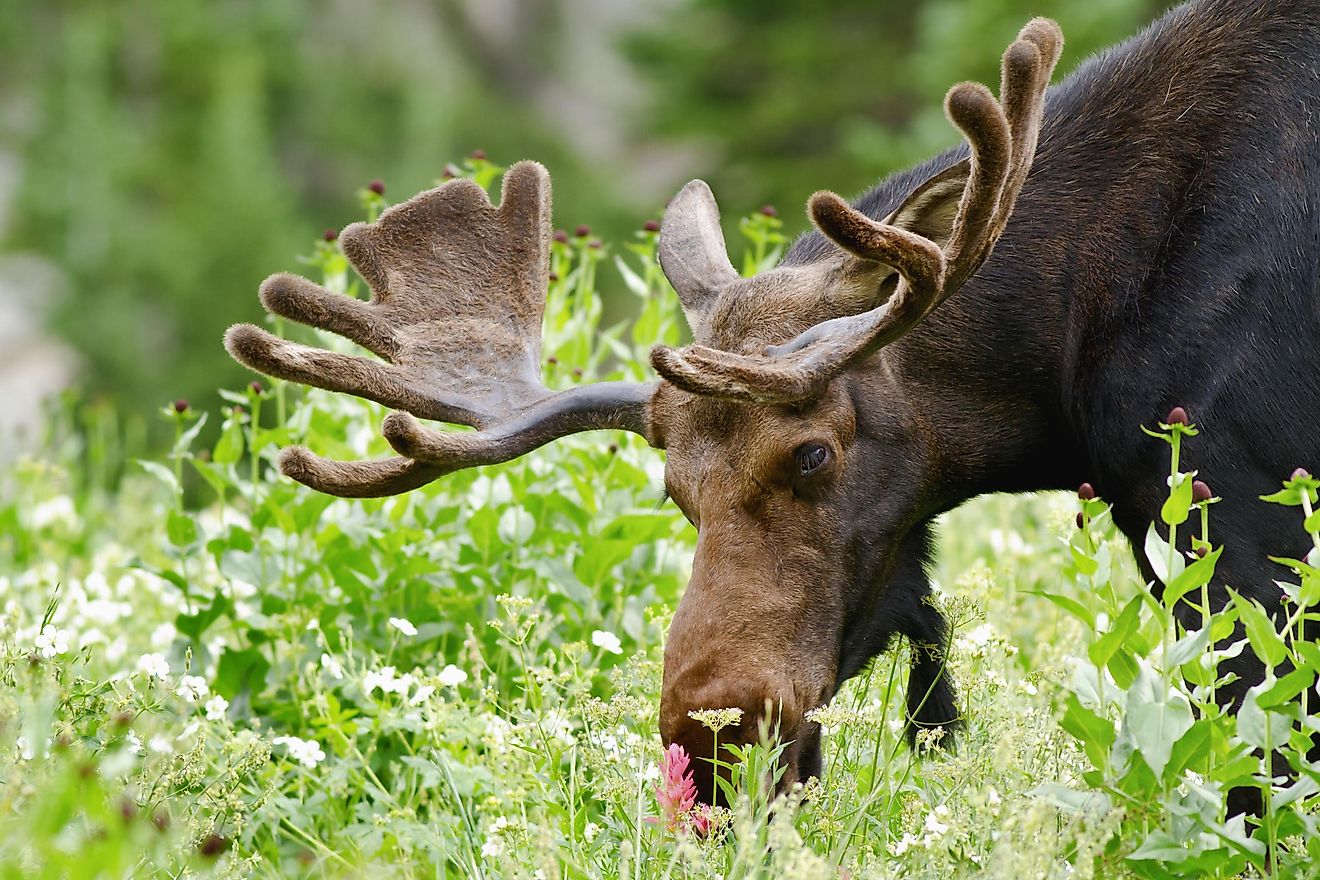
(1160,248)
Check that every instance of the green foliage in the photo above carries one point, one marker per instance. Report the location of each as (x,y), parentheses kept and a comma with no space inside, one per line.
(464,681)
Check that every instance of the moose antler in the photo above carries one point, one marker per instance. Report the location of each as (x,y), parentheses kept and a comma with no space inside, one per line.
(458,291)
(1003,144)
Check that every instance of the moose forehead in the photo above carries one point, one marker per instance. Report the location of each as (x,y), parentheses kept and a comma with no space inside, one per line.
(775,306)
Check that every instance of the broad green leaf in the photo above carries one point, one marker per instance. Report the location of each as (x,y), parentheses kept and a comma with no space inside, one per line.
(1179,503)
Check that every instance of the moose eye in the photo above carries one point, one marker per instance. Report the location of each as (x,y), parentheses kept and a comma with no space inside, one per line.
(811,457)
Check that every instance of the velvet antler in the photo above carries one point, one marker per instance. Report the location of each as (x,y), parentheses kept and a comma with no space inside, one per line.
(458,291)
(1003,140)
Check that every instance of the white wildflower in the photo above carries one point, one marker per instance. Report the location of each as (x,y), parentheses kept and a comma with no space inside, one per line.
(607,640)
(134,742)
(52,641)
(388,680)
(333,667)
(54,510)
(500,823)
(216,707)
(307,752)
(161,745)
(492,848)
(422,694)
(154,666)
(934,827)
(903,845)
(25,750)
(452,676)
(193,688)
(163,636)
(590,832)
(403,625)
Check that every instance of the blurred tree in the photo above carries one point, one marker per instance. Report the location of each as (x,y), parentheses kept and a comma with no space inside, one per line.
(174,152)
(788,97)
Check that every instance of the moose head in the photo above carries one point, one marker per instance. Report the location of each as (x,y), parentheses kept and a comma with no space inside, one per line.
(791,445)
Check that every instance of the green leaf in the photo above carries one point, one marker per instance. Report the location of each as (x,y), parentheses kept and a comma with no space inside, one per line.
(240,671)
(1068,604)
(160,472)
(180,528)
(1155,727)
(1094,732)
(1193,577)
(1105,647)
(195,625)
(1265,639)
(1159,557)
(1179,503)
(229,448)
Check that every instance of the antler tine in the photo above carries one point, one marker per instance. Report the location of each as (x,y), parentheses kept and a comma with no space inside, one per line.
(458,290)
(1003,136)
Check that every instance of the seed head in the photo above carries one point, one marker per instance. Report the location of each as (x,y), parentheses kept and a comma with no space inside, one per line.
(127,808)
(769,211)
(650,226)
(582,231)
(1177,416)
(1201,492)
(180,405)
(330,234)
(213,845)
(377,186)
(1086,492)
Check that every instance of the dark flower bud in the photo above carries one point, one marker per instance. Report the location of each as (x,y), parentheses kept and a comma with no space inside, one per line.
(552,361)
(582,231)
(180,405)
(1177,416)
(87,770)
(377,186)
(1201,492)
(561,236)
(256,388)
(651,226)
(239,411)
(769,211)
(330,234)
(123,719)
(213,845)
(614,448)
(554,276)
(477,154)
(595,244)
(161,820)
(1081,521)
(1284,599)
(1203,551)
(1086,492)
(127,809)
(577,372)
(449,173)
(1301,474)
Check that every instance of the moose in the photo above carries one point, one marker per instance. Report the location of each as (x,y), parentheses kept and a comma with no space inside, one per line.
(1002,318)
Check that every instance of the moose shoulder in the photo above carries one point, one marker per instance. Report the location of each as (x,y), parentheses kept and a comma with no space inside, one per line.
(1145,234)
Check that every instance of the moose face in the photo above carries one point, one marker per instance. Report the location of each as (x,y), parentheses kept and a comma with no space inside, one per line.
(797,510)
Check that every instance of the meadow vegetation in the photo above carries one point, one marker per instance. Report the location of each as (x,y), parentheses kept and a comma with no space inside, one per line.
(247,678)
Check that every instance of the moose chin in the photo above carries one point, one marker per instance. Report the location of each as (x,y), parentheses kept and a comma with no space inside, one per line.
(1003,318)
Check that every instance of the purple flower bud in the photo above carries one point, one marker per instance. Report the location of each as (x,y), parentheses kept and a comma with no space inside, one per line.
(256,388)
(561,236)
(1177,416)
(127,809)
(650,226)
(552,361)
(1086,492)
(478,154)
(1081,521)
(554,276)
(180,405)
(769,211)
(330,234)
(595,244)
(1301,474)
(1203,551)
(1201,492)
(577,372)
(449,173)
(377,186)
(582,231)
(161,820)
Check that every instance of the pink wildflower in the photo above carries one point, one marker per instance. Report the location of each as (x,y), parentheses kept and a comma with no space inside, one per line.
(677,794)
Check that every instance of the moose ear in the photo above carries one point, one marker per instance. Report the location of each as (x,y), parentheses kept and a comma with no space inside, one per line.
(692,250)
(932,208)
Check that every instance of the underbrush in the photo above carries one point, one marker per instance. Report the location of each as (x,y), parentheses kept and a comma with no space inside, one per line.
(464,681)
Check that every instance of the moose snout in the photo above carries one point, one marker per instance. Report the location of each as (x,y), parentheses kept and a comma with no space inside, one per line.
(705,716)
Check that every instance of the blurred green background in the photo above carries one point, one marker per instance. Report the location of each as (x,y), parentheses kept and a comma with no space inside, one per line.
(158,158)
